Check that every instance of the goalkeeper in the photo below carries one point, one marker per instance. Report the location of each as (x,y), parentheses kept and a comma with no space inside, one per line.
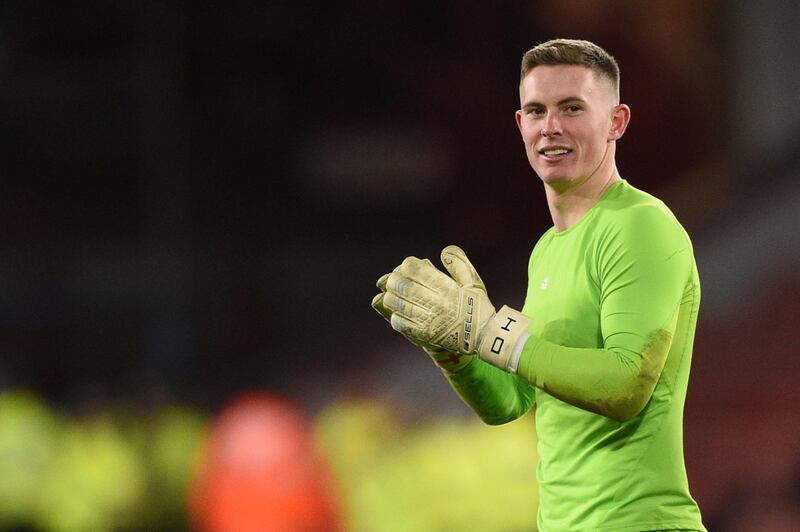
(603,345)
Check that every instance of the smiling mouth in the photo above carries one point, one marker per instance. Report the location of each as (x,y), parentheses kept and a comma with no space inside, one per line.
(554,152)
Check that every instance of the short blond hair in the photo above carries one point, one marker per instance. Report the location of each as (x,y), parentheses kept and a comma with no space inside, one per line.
(572,52)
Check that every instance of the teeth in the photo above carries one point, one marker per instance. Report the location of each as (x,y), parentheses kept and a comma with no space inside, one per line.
(557,151)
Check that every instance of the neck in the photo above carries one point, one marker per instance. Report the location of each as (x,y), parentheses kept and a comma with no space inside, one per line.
(569,204)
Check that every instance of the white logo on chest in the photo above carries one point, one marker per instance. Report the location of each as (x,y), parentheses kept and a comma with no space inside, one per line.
(545,283)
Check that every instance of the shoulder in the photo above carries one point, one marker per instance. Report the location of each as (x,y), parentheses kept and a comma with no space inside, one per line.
(637,216)
(637,230)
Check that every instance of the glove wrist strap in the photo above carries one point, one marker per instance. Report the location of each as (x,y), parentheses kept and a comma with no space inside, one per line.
(503,337)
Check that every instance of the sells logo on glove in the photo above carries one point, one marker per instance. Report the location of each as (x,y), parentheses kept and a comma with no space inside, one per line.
(468,323)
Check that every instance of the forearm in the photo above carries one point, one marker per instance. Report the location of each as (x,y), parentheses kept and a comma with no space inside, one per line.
(609,382)
(496,396)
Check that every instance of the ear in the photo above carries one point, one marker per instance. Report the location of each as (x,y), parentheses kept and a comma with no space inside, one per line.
(518,118)
(619,121)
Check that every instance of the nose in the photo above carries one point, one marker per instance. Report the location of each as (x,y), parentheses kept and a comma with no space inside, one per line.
(551,126)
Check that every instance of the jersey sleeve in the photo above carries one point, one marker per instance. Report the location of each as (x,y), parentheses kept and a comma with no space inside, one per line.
(496,396)
(642,264)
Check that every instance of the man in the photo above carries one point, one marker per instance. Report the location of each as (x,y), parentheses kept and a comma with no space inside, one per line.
(603,345)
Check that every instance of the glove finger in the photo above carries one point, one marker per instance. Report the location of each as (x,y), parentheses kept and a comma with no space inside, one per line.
(424,273)
(393,303)
(408,328)
(460,268)
(377,304)
(381,284)
(411,260)
(407,309)
(397,283)
(410,288)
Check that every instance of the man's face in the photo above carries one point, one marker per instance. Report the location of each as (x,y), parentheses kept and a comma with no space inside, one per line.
(567,122)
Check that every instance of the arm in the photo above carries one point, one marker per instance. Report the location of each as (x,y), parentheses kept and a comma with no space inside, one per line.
(643,268)
(495,395)
(610,382)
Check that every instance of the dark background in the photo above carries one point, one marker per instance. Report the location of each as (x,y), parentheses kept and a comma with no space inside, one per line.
(197,200)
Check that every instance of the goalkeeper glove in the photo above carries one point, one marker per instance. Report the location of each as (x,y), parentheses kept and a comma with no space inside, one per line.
(431,308)
(449,361)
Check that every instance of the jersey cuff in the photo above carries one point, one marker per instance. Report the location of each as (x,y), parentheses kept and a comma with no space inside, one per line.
(513,362)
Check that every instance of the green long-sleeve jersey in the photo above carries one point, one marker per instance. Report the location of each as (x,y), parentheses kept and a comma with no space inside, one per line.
(614,302)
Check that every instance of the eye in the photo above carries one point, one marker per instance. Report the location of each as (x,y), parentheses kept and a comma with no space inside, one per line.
(536,111)
(573,108)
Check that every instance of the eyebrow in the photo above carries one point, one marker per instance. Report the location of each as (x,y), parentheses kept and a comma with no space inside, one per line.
(563,101)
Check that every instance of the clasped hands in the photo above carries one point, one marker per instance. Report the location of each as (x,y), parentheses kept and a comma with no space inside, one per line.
(450,316)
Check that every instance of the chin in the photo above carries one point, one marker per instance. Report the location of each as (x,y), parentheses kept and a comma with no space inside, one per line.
(552,178)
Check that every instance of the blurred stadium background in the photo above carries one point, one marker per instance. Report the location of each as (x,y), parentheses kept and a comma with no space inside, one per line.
(197,200)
